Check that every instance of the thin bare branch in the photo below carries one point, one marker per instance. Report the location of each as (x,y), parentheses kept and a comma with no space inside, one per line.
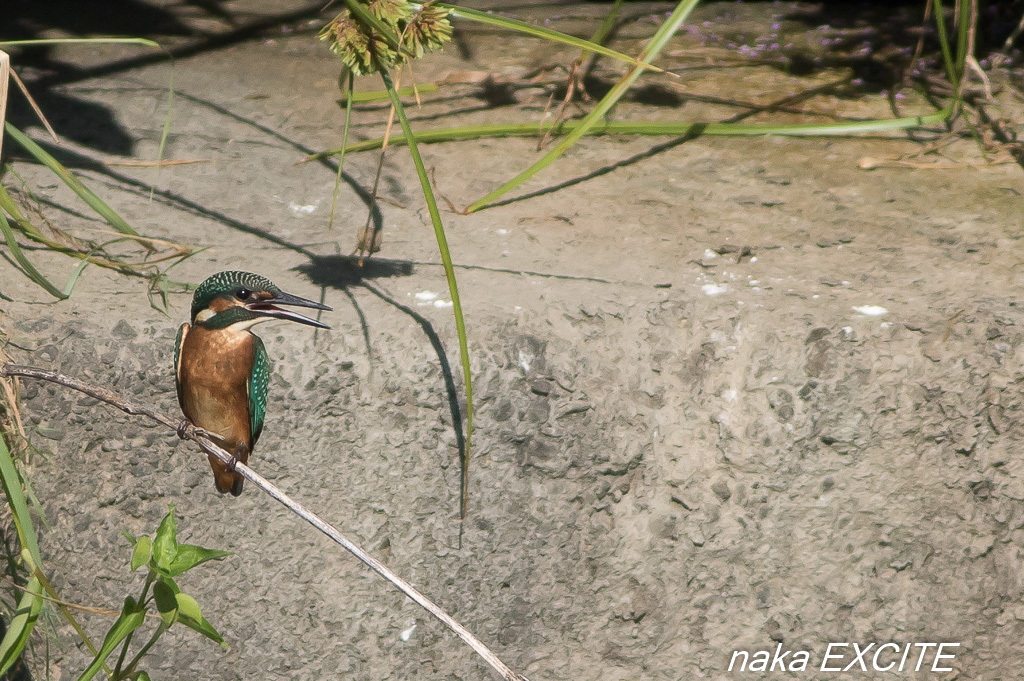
(190,432)
(35,107)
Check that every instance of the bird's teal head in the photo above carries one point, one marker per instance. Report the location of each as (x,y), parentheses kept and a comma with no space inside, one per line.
(242,299)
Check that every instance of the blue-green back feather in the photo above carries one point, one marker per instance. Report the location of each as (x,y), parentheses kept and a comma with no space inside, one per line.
(259,382)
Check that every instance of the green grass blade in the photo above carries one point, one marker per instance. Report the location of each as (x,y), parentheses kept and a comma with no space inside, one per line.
(344,142)
(19,509)
(73,279)
(73,183)
(605,28)
(947,53)
(26,265)
(21,625)
(449,273)
(166,131)
(76,41)
(660,129)
(7,204)
(962,21)
(660,39)
(367,96)
(31,602)
(539,32)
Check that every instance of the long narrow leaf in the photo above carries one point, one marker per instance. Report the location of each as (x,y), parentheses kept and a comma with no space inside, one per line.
(654,47)
(21,625)
(65,175)
(366,96)
(7,203)
(655,129)
(166,131)
(19,509)
(26,265)
(606,26)
(538,31)
(75,41)
(31,602)
(449,273)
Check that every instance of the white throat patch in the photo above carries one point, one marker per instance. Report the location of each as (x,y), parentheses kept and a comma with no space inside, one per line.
(247,324)
(205,315)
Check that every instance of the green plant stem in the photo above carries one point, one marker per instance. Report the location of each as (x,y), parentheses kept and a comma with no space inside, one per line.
(344,143)
(128,639)
(449,272)
(666,129)
(654,47)
(947,54)
(539,32)
(142,653)
(116,674)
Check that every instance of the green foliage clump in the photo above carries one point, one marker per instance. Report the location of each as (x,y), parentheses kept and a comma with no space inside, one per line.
(365,50)
(165,559)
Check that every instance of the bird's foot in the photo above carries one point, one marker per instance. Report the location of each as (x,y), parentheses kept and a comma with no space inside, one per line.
(185,428)
(235,458)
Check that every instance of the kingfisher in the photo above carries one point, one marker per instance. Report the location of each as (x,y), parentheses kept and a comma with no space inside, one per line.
(221,367)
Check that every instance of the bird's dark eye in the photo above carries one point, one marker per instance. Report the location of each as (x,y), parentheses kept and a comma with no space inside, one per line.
(243,294)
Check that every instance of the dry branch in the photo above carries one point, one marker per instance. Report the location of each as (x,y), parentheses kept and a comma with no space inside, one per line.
(5,70)
(190,432)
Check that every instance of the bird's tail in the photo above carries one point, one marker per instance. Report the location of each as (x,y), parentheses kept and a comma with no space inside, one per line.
(228,480)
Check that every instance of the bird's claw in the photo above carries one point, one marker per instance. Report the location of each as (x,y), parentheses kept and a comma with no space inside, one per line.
(240,451)
(186,429)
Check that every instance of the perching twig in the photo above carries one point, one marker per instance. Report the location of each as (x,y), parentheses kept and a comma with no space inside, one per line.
(190,432)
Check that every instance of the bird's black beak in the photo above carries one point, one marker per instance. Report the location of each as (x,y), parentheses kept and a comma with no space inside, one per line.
(268,308)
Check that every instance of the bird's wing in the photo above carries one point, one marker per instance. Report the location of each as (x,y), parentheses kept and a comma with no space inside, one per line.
(178,342)
(259,381)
